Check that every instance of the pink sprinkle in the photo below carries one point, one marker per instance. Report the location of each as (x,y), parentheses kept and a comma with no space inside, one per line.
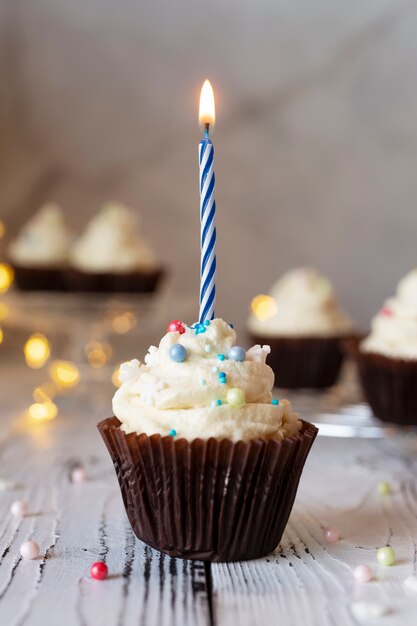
(362,574)
(331,534)
(387,311)
(29,550)
(19,508)
(78,475)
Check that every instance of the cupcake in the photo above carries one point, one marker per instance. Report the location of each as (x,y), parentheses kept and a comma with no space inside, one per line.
(208,463)
(387,357)
(110,256)
(304,325)
(39,254)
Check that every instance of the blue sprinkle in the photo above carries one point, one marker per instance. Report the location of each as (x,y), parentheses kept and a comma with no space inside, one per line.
(215,403)
(178,353)
(207,323)
(222,375)
(221,357)
(237,353)
(172,432)
(275,402)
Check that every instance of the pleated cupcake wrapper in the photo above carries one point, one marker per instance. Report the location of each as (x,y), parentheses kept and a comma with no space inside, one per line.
(40,278)
(209,499)
(304,362)
(389,385)
(131,282)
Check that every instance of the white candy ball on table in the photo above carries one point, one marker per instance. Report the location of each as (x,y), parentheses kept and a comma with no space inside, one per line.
(29,550)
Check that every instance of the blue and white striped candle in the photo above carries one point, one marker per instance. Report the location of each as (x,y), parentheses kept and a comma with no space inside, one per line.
(207,207)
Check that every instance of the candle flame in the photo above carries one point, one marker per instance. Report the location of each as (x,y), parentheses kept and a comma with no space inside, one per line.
(207,113)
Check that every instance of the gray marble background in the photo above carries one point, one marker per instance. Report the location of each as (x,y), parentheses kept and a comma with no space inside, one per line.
(316,138)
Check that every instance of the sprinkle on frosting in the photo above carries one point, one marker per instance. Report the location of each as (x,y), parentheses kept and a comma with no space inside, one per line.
(160,392)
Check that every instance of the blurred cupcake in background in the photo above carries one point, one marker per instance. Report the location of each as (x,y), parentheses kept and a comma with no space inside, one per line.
(39,254)
(302,322)
(111,256)
(387,357)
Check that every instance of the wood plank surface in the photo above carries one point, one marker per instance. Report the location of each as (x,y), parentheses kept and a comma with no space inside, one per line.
(305,582)
(77,524)
(308,581)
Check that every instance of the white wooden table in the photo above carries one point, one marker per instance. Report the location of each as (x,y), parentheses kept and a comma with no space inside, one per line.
(305,582)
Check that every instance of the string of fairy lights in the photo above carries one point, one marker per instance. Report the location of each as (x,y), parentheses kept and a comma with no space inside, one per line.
(64,375)
(61,375)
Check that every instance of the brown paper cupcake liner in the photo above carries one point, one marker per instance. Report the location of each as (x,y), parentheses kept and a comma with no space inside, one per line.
(40,278)
(212,499)
(133,282)
(389,385)
(304,362)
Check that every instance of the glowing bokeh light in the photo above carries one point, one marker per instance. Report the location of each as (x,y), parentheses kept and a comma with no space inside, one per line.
(6,277)
(123,322)
(115,377)
(64,373)
(263,307)
(37,350)
(40,394)
(98,353)
(43,411)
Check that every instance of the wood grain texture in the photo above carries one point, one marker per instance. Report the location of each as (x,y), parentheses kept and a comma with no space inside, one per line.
(305,582)
(309,582)
(76,525)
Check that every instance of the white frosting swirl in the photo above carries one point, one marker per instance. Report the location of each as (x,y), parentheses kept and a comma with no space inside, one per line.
(163,394)
(394,328)
(305,307)
(43,241)
(111,243)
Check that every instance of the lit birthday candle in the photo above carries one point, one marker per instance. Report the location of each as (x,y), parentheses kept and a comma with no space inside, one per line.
(207,207)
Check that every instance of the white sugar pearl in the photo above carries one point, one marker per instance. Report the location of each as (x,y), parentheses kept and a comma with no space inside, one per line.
(78,475)
(19,508)
(364,611)
(29,550)
(410,583)
(331,534)
(362,574)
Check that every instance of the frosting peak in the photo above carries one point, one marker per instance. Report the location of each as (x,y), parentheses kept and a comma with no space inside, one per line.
(190,385)
(305,305)
(111,243)
(394,328)
(44,240)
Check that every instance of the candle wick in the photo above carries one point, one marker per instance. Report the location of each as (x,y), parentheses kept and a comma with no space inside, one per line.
(206,129)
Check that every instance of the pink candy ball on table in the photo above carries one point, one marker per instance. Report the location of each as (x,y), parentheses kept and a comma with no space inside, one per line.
(78,475)
(29,550)
(19,508)
(331,535)
(362,574)
(99,570)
